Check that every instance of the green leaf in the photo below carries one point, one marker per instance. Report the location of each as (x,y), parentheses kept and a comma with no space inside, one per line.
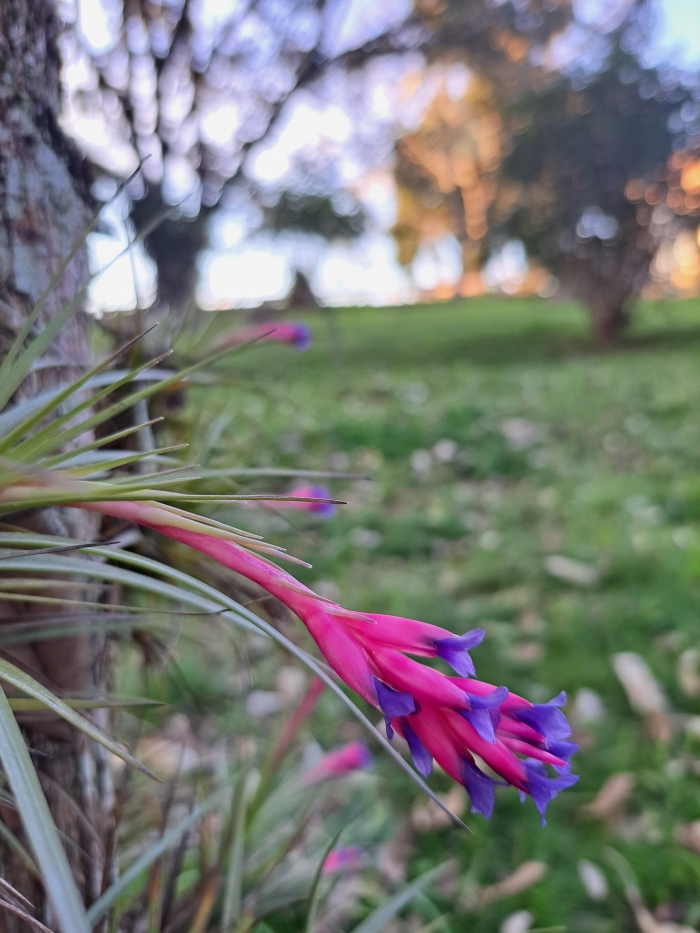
(69,456)
(51,435)
(24,705)
(152,853)
(39,825)
(316,886)
(378,920)
(54,403)
(270,472)
(10,674)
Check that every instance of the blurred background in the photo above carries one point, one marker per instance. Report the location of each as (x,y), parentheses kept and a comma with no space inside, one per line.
(487,213)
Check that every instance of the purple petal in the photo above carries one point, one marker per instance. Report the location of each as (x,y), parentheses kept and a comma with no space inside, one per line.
(546,719)
(563,749)
(543,789)
(498,696)
(454,651)
(393,703)
(422,758)
(495,715)
(323,509)
(303,338)
(480,789)
(481,721)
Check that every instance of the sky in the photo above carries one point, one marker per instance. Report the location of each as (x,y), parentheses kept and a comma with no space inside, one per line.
(678,39)
(238,271)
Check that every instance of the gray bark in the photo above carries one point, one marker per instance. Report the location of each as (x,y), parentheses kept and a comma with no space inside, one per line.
(44,209)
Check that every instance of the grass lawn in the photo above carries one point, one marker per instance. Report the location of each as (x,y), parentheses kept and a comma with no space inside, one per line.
(495,440)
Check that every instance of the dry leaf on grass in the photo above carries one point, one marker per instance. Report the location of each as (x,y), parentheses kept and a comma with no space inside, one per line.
(688,672)
(688,835)
(643,690)
(428,816)
(571,571)
(523,877)
(608,802)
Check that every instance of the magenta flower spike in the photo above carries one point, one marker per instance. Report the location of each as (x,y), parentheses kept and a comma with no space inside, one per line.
(341,761)
(455,720)
(349,858)
(294,333)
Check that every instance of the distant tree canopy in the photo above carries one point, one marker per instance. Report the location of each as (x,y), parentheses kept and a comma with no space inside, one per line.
(190,87)
(560,137)
(588,179)
(578,163)
(445,170)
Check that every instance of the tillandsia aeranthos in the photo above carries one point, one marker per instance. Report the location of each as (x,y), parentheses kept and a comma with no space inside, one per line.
(459,721)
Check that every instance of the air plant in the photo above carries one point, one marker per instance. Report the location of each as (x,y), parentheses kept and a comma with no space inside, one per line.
(49,456)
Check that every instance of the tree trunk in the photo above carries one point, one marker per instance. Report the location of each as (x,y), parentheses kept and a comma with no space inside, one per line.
(44,209)
(609,319)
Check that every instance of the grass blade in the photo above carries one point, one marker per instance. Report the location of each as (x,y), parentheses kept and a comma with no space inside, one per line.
(233,891)
(39,825)
(31,921)
(12,842)
(28,705)
(377,921)
(147,858)
(316,886)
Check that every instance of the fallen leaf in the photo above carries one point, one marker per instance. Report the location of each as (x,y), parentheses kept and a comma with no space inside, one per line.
(519,922)
(608,802)
(523,877)
(428,816)
(688,672)
(643,690)
(571,571)
(688,835)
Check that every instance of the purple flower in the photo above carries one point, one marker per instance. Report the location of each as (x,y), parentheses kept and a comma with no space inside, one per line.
(348,858)
(455,651)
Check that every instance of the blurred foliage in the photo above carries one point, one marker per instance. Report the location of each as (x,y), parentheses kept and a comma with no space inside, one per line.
(314,214)
(445,170)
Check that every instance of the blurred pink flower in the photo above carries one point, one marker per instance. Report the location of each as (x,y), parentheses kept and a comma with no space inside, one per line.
(322,509)
(340,761)
(294,333)
(349,858)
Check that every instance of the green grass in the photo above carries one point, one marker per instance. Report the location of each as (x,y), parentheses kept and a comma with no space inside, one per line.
(610,477)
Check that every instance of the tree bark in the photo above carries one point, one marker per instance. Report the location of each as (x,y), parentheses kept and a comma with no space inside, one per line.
(44,209)
(609,319)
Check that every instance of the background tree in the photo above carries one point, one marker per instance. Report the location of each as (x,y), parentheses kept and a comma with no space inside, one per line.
(589,131)
(445,170)
(588,176)
(192,88)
